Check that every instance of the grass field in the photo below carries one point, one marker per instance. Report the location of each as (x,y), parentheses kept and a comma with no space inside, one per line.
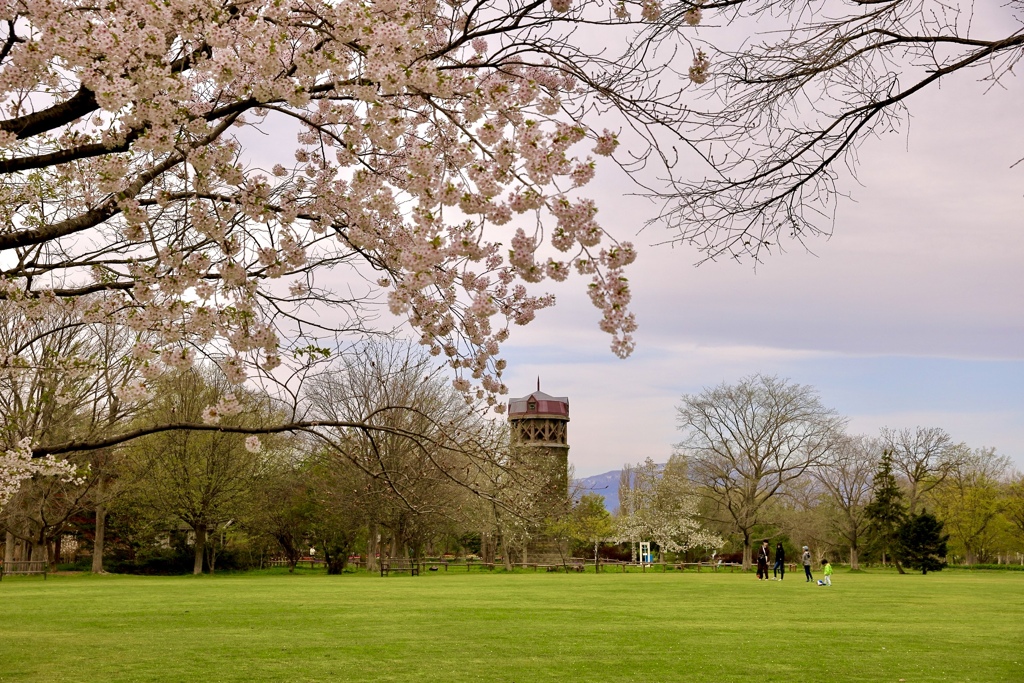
(875,626)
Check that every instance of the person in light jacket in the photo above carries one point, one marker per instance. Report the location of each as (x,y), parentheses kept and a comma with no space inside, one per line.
(807,564)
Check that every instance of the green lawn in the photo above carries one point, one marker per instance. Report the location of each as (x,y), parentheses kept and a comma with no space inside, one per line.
(875,626)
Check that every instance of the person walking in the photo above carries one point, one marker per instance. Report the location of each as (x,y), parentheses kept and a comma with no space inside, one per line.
(779,568)
(827,570)
(762,561)
(807,564)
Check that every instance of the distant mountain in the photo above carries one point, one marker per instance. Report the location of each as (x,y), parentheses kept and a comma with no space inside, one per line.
(606,485)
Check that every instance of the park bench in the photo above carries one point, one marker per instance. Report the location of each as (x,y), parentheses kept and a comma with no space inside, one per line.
(399,565)
(24,567)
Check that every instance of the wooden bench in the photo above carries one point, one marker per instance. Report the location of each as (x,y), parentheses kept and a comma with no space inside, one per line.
(395,565)
(24,567)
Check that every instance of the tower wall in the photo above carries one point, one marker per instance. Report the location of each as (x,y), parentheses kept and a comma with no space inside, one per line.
(541,422)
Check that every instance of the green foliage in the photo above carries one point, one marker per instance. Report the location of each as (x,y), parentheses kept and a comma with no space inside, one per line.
(590,521)
(922,545)
(990,567)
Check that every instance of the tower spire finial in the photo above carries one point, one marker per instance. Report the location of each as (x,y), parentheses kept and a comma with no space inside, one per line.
(538,382)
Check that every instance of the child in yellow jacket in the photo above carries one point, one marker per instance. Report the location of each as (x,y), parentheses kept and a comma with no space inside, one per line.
(827,569)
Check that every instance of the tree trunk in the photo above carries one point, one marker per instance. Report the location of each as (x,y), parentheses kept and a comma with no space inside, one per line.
(211,554)
(55,557)
(747,552)
(506,555)
(97,544)
(597,567)
(336,563)
(487,547)
(854,560)
(197,566)
(40,551)
(372,546)
(8,548)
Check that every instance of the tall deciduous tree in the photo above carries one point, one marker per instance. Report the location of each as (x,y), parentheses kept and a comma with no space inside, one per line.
(745,442)
(924,457)
(202,479)
(1013,504)
(422,448)
(969,501)
(591,522)
(846,475)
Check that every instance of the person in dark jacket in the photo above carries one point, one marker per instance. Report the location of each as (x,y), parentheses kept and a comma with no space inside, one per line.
(807,564)
(762,561)
(779,568)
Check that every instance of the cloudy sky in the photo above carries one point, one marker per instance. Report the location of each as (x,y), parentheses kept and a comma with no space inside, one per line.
(911,314)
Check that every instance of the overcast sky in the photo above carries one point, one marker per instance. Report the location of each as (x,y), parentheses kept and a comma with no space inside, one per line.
(911,314)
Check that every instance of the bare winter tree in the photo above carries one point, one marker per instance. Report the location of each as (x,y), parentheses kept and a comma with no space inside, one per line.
(747,441)
(923,458)
(845,474)
(806,84)
(421,449)
(59,379)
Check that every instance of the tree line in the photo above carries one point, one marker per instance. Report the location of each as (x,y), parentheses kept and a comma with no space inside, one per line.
(386,458)
(770,460)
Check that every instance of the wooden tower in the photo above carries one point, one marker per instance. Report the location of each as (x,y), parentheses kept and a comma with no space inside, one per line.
(541,421)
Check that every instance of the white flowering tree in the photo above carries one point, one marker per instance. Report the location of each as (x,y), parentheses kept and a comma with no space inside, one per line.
(659,504)
(246,181)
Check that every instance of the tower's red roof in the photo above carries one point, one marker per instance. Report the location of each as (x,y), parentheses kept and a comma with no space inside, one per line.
(538,403)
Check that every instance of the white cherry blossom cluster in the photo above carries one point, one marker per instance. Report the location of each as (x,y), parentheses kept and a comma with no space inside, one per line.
(17,465)
(699,70)
(418,163)
(693,16)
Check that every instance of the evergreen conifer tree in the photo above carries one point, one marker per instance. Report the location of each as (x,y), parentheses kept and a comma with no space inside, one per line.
(922,545)
(886,512)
